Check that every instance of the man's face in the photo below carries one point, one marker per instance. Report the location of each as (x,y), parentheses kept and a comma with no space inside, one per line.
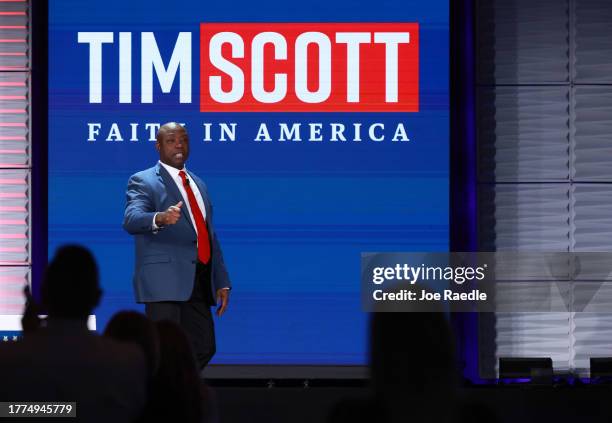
(173,146)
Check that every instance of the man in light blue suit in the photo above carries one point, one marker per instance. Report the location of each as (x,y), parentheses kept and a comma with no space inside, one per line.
(179,270)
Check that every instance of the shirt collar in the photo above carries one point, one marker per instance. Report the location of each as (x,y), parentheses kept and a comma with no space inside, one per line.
(174,172)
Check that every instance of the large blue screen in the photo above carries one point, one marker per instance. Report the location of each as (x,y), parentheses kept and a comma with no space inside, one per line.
(292,216)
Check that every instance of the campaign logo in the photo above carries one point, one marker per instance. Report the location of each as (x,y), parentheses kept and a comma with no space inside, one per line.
(284,67)
(316,67)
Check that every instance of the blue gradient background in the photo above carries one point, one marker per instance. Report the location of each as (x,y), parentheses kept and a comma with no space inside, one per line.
(292,217)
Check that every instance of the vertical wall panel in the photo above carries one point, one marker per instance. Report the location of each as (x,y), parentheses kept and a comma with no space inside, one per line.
(592,107)
(528,217)
(592,335)
(12,281)
(524,158)
(593,232)
(14,155)
(522,41)
(523,45)
(523,134)
(14,233)
(534,335)
(592,217)
(525,217)
(593,133)
(593,42)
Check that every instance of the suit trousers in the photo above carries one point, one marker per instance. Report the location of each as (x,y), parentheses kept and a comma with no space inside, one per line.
(193,316)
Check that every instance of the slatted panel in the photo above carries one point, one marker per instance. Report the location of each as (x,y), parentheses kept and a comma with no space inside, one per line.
(534,335)
(14,232)
(593,217)
(525,217)
(593,232)
(522,41)
(593,134)
(523,44)
(14,155)
(523,134)
(592,332)
(594,44)
(524,158)
(12,281)
(591,338)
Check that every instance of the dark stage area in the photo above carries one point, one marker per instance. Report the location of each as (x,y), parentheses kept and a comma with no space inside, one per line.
(490,403)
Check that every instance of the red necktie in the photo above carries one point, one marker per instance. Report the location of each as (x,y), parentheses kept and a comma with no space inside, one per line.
(203,242)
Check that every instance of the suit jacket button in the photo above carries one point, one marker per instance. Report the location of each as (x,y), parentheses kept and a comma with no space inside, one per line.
(194,241)
(193,261)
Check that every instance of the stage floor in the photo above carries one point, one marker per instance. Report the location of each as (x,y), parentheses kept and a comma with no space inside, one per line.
(511,404)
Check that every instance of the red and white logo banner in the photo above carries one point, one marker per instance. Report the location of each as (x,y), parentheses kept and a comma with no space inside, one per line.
(313,67)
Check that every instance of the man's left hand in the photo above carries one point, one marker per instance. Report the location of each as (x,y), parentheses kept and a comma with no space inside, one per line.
(222,301)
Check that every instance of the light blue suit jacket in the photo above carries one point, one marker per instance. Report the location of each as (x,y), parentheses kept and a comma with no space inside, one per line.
(166,259)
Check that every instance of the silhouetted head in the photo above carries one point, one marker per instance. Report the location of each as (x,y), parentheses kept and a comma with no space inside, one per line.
(411,352)
(176,354)
(176,386)
(131,326)
(172,145)
(70,288)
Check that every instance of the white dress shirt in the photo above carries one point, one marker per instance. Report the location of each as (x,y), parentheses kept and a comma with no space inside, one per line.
(174,173)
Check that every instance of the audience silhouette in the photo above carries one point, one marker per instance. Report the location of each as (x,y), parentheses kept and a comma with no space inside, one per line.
(132,326)
(177,394)
(145,371)
(63,361)
(411,368)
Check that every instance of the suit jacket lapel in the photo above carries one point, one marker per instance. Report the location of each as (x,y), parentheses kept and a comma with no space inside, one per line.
(173,192)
